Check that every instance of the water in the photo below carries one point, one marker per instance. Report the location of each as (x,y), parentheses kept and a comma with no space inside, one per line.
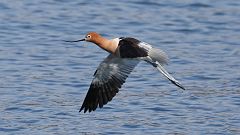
(43,80)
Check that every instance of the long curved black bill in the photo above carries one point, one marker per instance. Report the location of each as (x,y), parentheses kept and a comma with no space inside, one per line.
(75,40)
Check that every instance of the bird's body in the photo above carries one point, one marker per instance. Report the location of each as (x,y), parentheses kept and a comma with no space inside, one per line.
(125,54)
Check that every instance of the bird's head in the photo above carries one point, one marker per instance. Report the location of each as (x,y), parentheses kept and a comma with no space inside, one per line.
(90,37)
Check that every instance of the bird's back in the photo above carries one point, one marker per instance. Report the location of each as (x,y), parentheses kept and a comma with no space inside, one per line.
(129,48)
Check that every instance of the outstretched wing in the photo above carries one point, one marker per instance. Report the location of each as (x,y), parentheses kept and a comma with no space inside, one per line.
(108,78)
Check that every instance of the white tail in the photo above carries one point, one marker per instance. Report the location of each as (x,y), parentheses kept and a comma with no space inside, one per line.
(158,55)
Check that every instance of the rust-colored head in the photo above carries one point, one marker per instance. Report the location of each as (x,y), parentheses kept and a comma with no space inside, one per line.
(102,42)
(90,37)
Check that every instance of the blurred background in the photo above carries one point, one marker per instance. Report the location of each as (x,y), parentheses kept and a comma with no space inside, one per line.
(43,80)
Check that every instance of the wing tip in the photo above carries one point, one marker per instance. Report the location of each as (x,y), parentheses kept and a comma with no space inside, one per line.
(82,109)
(86,110)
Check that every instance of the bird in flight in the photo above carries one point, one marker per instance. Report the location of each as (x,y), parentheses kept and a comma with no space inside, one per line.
(125,54)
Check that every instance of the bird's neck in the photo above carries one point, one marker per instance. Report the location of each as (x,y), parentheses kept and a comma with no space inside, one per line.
(108,45)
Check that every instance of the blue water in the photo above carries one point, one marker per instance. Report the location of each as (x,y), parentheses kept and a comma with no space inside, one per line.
(44,80)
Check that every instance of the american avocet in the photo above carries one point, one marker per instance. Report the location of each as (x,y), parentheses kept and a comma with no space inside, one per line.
(125,54)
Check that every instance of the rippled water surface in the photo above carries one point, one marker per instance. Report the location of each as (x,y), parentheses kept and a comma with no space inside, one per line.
(44,80)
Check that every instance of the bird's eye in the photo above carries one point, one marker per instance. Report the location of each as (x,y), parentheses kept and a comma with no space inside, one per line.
(88,36)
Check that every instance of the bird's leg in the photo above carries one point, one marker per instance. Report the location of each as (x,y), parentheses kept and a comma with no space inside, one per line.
(150,61)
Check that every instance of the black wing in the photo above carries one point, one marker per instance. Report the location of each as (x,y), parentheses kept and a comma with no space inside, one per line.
(129,48)
(108,78)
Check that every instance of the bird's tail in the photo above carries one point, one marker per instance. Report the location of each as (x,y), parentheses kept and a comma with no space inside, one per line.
(158,55)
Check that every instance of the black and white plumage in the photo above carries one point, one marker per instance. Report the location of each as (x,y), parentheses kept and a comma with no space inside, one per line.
(114,70)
